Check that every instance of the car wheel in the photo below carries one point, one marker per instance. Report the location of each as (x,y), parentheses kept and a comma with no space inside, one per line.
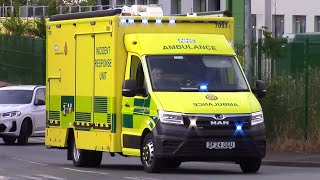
(85,158)
(150,162)
(9,139)
(250,165)
(24,133)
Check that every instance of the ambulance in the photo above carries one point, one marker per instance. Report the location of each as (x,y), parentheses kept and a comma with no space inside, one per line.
(136,83)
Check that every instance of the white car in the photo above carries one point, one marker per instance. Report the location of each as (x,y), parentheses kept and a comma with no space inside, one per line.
(22,113)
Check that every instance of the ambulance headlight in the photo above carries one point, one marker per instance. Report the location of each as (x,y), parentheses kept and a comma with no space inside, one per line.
(257,118)
(170,118)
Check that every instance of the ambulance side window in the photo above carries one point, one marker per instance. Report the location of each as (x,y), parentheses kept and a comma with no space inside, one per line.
(136,73)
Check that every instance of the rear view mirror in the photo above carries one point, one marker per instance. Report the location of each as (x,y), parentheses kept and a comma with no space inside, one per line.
(261,89)
(129,88)
(39,102)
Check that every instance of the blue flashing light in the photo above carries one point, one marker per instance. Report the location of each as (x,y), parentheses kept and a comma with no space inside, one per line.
(158,21)
(123,21)
(203,87)
(238,130)
(131,21)
(172,21)
(145,21)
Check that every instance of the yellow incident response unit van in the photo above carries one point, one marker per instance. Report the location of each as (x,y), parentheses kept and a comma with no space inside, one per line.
(167,89)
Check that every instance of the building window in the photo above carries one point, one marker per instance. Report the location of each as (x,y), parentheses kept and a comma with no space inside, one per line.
(199,5)
(176,7)
(153,2)
(142,2)
(130,2)
(213,5)
(254,27)
(277,25)
(299,23)
(120,2)
(317,24)
(105,2)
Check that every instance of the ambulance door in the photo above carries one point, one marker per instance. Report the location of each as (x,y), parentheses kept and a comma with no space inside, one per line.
(84,83)
(103,108)
(133,107)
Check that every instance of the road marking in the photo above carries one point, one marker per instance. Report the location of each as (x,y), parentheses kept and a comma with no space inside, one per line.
(139,178)
(29,177)
(4,178)
(78,170)
(49,177)
(38,139)
(32,162)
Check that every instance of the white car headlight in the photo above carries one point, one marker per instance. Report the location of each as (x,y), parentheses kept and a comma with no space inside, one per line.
(11,114)
(257,118)
(170,118)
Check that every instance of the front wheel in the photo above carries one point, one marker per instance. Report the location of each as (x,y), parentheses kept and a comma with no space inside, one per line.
(250,165)
(149,160)
(24,133)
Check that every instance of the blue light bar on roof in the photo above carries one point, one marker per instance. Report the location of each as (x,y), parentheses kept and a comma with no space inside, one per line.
(131,20)
(158,21)
(172,21)
(145,21)
(123,21)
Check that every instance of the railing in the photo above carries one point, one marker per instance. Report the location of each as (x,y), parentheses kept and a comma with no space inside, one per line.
(39,11)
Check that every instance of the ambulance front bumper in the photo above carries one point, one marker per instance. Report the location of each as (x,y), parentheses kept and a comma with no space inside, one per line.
(185,144)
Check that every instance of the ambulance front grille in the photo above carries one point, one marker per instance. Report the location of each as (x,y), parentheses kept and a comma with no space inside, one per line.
(229,122)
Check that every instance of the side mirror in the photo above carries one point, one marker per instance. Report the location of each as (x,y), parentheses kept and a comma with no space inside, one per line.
(39,102)
(261,89)
(129,88)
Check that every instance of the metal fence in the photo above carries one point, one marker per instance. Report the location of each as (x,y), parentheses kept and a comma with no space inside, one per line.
(291,108)
(22,60)
(39,11)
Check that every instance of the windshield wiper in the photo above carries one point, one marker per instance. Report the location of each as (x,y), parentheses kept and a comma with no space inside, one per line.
(189,89)
(228,90)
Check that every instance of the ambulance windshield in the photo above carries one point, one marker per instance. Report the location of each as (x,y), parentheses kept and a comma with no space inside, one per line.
(195,73)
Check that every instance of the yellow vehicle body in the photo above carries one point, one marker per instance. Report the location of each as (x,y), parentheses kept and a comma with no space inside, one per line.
(88,60)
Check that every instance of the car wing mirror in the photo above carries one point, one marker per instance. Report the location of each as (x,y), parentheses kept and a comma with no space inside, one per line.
(39,102)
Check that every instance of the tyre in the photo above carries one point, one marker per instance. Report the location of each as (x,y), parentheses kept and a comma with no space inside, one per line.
(85,158)
(95,158)
(171,164)
(24,133)
(9,139)
(150,162)
(250,165)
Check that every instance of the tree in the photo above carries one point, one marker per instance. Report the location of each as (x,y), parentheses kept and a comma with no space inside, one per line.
(40,28)
(16,26)
(272,47)
(88,3)
(16,5)
(52,9)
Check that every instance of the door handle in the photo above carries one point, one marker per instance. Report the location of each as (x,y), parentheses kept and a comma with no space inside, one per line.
(127,105)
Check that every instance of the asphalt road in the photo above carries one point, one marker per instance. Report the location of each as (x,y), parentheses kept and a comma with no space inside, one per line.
(36,162)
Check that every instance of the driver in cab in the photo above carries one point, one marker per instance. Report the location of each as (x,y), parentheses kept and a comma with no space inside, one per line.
(157,78)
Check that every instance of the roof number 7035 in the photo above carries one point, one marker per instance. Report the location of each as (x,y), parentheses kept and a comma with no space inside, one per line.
(222,25)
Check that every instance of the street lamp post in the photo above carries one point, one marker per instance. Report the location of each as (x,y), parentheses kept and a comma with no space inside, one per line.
(27,10)
(275,19)
(247,41)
